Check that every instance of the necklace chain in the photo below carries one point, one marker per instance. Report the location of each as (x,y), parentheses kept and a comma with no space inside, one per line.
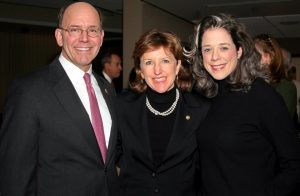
(168,111)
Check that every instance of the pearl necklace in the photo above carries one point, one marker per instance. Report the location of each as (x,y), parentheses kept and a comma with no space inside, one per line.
(168,111)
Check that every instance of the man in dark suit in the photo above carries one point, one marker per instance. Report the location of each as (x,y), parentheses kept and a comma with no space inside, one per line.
(111,68)
(48,145)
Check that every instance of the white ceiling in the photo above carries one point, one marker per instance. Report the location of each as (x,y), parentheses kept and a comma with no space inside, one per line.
(281,18)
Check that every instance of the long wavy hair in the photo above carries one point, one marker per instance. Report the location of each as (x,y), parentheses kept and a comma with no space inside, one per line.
(248,65)
(152,40)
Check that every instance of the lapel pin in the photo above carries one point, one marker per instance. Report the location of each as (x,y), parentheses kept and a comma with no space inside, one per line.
(187,117)
(105,91)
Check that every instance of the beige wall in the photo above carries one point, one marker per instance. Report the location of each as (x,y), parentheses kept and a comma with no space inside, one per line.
(156,18)
(132,29)
(139,17)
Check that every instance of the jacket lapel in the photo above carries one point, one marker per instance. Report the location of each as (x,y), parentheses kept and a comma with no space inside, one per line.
(70,101)
(182,141)
(109,96)
(140,129)
(144,132)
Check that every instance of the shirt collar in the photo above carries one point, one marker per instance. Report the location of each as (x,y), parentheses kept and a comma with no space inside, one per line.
(107,77)
(74,73)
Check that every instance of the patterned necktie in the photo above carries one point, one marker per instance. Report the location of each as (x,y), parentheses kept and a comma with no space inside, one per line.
(96,116)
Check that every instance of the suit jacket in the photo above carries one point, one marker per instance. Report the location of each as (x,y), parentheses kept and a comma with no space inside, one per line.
(116,83)
(48,146)
(176,175)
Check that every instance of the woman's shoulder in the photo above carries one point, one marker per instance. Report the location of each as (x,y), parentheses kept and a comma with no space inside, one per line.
(128,96)
(194,99)
(264,92)
(259,85)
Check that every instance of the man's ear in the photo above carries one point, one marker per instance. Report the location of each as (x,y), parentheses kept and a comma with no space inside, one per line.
(58,37)
(102,37)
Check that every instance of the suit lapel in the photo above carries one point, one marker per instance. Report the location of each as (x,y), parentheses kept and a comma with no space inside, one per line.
(109,95)
(144,137)
(184,130)
(70,101)
(140,129)
(143,132)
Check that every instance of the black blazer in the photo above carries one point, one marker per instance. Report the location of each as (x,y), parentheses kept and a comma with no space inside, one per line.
(177,174)
(48,147)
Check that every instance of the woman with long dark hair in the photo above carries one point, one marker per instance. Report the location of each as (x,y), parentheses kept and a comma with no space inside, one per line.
(248,145)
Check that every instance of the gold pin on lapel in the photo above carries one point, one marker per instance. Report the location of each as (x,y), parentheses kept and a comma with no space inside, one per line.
(187,117)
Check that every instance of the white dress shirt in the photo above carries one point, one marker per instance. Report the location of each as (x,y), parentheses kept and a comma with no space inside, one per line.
(75,74)
(107,77)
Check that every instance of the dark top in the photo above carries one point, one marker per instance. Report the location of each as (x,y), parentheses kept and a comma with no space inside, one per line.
(160,127)
(288,91)
(248,144)
(176,173)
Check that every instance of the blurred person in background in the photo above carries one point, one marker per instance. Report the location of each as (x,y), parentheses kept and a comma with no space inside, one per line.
(111,65)
(292,76)
(272,59)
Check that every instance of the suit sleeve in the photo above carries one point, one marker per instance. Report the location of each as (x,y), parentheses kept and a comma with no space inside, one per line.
(280,130)
(19,143)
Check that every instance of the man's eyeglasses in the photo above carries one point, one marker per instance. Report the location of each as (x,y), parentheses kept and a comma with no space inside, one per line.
(76,31)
